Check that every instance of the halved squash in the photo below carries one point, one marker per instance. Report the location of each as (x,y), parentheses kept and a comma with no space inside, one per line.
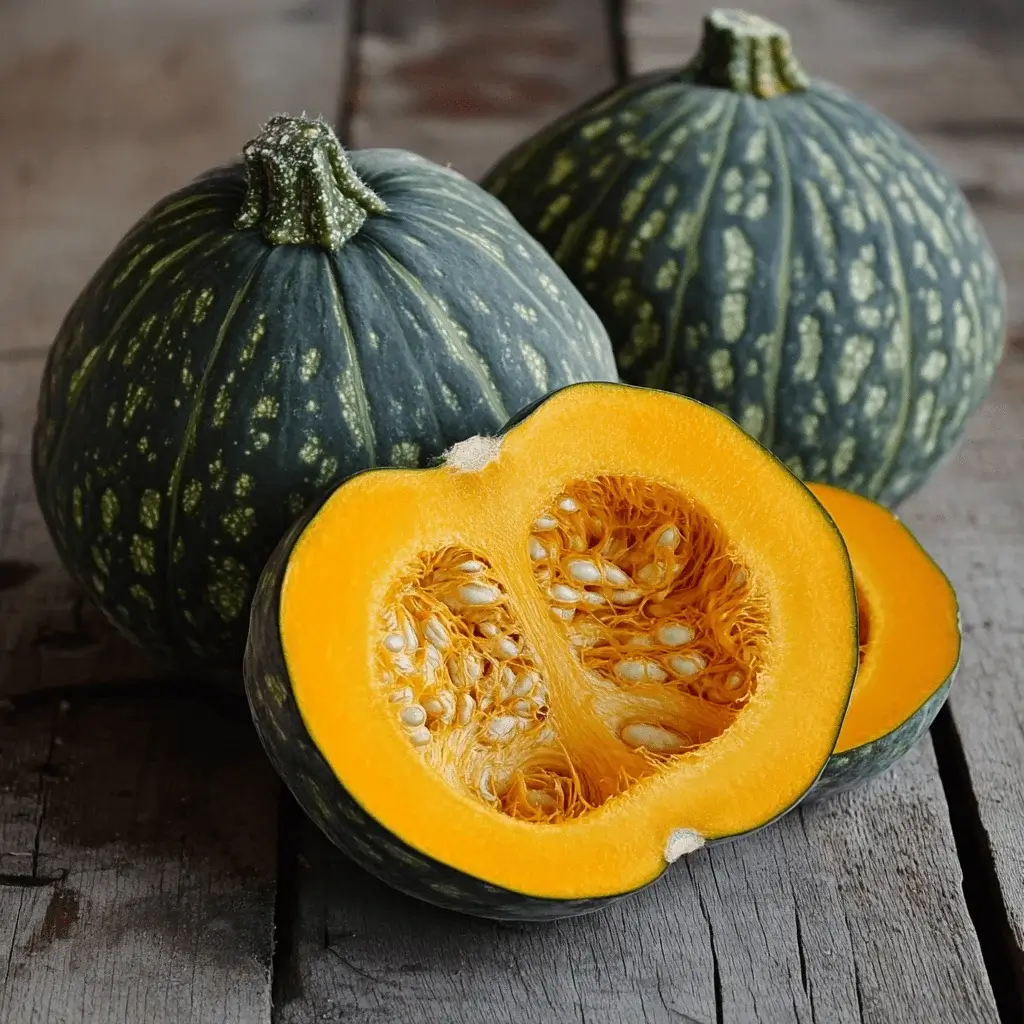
(909,640)
(521,683)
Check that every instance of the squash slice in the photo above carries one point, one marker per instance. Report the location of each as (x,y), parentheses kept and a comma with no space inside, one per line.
(909,637)
(521,683)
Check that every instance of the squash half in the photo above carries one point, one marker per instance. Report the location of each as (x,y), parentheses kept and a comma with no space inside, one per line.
(909,637)
(521,683)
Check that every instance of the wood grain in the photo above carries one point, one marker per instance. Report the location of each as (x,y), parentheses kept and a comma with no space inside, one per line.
(108,105)
(971,518)
(846,912)
(137,862)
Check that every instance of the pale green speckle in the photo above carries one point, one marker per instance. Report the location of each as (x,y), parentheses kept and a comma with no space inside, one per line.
(260,439)
(179,550)
(239,522)
(809,424)
(255,336)
(142,595)
(874,400)
(243,485)
(853,361)
(734,316)
(109,508)
(221,405)
(757,147)
(190,495)
(827,302)
(595,129)
(309,364)
(311,450)
(266,408)
(328,467)
(296,503)
(934,366)
(822,226)
(720,363)
(757,207)
(809,330)
(527,313)
(134,395)
(843,455)
(405,453)
(595,250)
(795,465)
(561,168)
(76,506)
(863,280)
(228,590)
(732,179)
(201,306)
(752,419)
(667,275)
(555,209)
(739,257)
(218,472)
(143,555)
(679,233)
(149,509)
(922,413)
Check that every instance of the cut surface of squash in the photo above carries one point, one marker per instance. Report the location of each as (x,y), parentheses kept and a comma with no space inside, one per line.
(577,651)
(909,619)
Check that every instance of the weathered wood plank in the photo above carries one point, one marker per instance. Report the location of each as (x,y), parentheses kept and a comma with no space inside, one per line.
(461,81)
(971,516)
(137,861)
(107,106)
(850,911)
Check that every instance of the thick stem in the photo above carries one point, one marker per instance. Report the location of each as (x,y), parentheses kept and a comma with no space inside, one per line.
(302,190)
(746,54)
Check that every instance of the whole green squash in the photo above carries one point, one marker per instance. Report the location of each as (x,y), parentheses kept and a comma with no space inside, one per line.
(769,245)
(261,334)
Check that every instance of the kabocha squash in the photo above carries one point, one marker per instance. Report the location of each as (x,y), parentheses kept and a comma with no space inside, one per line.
(520,683)
(771,246)
(264,332)
(909,639)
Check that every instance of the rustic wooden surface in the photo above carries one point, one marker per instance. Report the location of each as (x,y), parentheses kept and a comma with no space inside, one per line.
(143,858)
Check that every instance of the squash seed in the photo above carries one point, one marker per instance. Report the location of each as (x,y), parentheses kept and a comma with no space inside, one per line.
(626,596)
(584,570)
(537,550)
(477,594)
(564,595)
(669,537)
(655,738)
(414,715)
(544,523)
(466,707)
(674,635)
(688,666)
(394,643)
(568,505)
(420,736)
(501,728)
(436,633)
(615,576)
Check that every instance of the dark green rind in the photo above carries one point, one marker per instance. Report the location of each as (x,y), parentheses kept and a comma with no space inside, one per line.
(323,797)
(799,263)
(207,385)
(329,805)
(853,767)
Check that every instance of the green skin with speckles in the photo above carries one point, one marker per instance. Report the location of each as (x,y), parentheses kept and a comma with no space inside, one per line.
(323,796)
(798,262)
(854,767)
(208,384)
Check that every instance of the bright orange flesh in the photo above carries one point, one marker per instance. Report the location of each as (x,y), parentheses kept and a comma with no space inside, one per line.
(910,622)
(569,774)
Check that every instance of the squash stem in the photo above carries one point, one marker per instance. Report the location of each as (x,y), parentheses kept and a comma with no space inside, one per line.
(746,53)
(302,189)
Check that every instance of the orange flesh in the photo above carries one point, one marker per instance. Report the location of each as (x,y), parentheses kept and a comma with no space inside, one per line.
(569,775)
(909,619)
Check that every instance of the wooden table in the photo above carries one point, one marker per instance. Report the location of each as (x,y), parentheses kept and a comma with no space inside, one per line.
(152,869)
